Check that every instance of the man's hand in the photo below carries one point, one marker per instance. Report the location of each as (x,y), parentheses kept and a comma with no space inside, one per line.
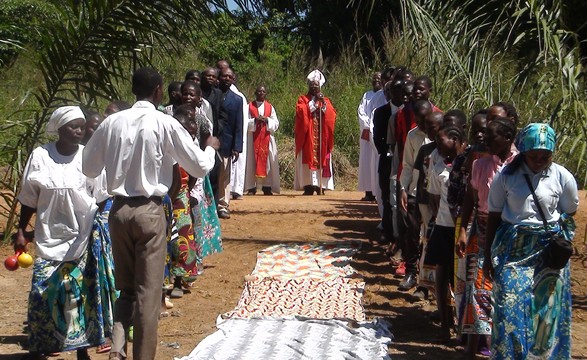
(461,245)
(213,142)
(404,200)
(365,135)
(235,155)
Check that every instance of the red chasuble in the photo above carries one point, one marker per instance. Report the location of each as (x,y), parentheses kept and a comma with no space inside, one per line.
(307,134)
(261,138)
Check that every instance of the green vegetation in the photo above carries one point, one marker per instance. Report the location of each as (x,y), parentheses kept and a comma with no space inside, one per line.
(84,53)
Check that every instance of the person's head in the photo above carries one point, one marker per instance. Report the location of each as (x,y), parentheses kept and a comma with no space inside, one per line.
(186,115)
(191,94)
(499,136)
(404,74)
(260,93)
(69,123)
(193,75)
(116,106)
(93,120)
(422,108)
(478,125)
(456,117)
(433,124)
(315,80)
(387,74)
(174,92)
(209,76)
(536,143)
(422,88)
(395,92)
(147,84)
(222,64)
(502,109)
(450,141)
(408,89)
(226,79)
(376,81)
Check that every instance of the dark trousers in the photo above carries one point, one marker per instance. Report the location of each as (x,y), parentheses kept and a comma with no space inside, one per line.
(384,171)
(409,234)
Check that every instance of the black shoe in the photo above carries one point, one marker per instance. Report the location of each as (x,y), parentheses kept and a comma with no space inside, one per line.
(368,196)
(408,282)
(223,214)
(252,191)
(267,190)
(308,190)
(317,190)
(421,293)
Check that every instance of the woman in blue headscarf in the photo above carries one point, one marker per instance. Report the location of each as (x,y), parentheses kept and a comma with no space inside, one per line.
(532,302)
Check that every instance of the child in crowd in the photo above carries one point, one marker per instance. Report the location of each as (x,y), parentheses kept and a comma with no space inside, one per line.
(450,143)
(408,204)
(476,306)
(174,93)
(426,281)
(191,94)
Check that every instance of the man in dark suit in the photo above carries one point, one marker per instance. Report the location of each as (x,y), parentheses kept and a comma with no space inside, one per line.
(381,118)
(231,138)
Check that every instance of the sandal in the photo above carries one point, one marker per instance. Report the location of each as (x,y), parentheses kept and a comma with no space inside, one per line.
(104,348)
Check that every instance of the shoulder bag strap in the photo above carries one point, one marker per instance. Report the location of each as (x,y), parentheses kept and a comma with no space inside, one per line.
(538,205)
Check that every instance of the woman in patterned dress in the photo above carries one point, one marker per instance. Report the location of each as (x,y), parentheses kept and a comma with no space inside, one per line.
(532,302)
(72,293)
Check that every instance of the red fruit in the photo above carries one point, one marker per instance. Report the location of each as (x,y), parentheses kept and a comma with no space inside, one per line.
(11,263)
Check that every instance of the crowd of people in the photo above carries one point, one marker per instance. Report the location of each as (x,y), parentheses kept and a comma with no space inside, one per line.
(128,204)
(469,212)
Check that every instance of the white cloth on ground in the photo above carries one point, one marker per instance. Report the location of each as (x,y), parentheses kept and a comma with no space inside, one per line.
(294,339)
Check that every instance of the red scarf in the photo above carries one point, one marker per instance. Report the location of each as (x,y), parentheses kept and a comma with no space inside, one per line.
(261,138)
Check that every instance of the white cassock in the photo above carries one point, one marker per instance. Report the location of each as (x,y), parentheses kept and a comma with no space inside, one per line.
(377,101)
(366,152)
(272,179)
(238,169)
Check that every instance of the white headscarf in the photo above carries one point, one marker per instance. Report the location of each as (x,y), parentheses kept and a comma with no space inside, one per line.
(316,75)
(62,116)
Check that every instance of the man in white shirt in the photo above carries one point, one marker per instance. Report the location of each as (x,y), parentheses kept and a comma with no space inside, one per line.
(138,147)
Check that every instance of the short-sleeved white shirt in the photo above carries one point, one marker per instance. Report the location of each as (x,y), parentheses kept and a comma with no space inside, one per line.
(555,187)
(438,174)
(55,185)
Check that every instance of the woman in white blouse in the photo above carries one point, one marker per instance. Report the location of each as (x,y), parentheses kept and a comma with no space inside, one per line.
(531,301)
(72,292)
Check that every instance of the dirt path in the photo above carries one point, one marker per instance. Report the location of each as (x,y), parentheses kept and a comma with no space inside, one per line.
(260,221)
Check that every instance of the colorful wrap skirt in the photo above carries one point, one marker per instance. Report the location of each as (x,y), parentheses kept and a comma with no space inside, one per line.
(531,302)
(71,302)
(185,252)
(205,218)
(475,308)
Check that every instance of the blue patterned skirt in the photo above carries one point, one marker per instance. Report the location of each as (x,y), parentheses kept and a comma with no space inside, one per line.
(71,302)
(531,302)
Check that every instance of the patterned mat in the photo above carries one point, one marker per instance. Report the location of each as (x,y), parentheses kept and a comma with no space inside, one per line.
(293,339)
(314,261)
(338,298)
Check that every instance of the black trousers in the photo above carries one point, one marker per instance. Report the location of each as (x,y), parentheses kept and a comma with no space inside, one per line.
(409,234)
(384,171)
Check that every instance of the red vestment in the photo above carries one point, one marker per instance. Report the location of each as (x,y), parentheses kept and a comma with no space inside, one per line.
(261,138)
(307,133)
